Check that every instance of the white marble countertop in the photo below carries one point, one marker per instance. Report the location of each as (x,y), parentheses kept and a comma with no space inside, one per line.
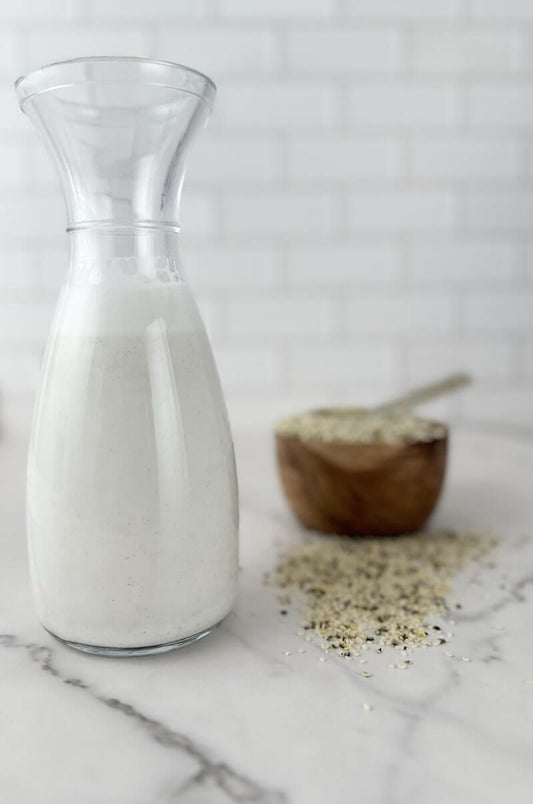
(234,719)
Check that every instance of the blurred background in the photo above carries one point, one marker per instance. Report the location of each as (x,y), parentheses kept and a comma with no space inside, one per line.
(356,217)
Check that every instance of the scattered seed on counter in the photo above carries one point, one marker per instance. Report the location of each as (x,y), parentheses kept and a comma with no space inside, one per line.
(529,682)
(466,658)
(367,707)
(360,593)
(365,674)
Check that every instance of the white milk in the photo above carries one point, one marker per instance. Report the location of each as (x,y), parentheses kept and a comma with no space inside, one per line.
(132,508)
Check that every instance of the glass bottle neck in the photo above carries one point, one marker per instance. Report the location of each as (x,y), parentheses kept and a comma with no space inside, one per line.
(117,253)
(119,131)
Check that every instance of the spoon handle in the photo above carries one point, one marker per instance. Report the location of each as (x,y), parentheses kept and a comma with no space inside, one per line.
(425,393)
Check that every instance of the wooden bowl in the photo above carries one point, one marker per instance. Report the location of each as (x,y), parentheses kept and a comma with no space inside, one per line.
(368,489)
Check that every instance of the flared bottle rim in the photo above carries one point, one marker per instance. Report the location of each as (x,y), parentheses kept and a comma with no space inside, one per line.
(62,74)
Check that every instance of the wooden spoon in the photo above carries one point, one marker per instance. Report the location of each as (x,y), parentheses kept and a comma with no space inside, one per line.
(424,393)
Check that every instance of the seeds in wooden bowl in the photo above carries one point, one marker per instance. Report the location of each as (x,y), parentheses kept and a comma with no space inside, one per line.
(357,426)
(347,471)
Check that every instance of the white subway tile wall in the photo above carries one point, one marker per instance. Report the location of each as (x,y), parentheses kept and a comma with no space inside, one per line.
(358,216)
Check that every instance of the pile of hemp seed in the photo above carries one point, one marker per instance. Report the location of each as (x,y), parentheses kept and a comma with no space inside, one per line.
(387,591)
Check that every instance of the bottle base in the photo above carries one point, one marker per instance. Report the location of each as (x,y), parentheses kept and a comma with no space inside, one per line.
(146,650)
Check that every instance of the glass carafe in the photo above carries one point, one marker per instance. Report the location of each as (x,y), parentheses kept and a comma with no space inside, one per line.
(132,499)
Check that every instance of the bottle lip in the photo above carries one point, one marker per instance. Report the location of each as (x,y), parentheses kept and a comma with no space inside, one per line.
(61,74)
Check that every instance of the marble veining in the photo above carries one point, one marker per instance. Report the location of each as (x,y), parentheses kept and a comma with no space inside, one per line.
(251,714)
(212,775)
